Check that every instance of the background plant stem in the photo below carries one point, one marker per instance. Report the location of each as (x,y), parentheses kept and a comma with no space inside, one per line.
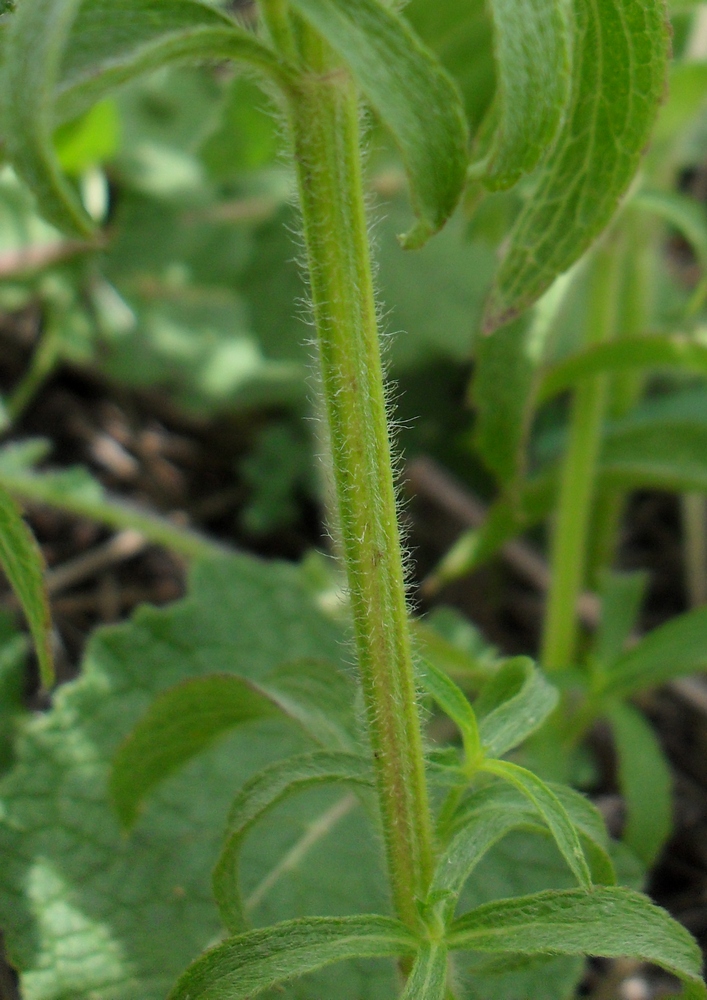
(569,551)
(325,129)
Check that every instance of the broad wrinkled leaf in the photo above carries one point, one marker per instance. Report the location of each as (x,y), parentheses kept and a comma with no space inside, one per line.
(88,912)
(452,700)
(411,93)
(677,648)
(610,922)
(645,781)
(428,979)
(638,353)
(533,43)
(506,377)
(525,699)
(186,719)
(246,965)
(615,98)
(552,812)
(621,597)
(23,565)
(63,55)
(263,791)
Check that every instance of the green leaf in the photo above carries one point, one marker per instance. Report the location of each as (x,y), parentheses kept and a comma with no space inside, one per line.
(428,978)
(461,35)
(411,93)
(645,781)
(526,700)
(551,810)
(677,648)
(533,42)
(619,73)
(23,565)
(246,965)
(64,55)
(87,912)
(259,794)
(186,719)
(452,700)
(621,597)
(610,922)
(637,353)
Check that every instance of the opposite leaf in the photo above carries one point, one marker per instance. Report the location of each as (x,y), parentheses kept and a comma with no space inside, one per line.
(186,719)
(452,700)
(526,700)
(245,966)
(23,565)
(533,41)
(263,791)
(608,922)
(619,72)
(412,94)
(552,812)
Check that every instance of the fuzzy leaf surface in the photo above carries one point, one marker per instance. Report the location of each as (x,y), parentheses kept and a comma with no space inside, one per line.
(411,93)
(516,717)
(250,963)
(609,922)
(452,700)
(187,718)
(87,911)
(532,89)
(551,811)
(23,565)
(620,57)
(263,791)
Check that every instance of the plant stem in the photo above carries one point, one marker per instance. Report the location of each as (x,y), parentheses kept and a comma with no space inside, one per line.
(624,387)
(569,553)
(325,128)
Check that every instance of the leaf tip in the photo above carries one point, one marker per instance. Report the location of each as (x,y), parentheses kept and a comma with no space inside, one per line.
(416,237)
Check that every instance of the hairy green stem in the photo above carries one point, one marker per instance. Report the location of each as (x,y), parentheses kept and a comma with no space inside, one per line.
(325,129)
(569,553)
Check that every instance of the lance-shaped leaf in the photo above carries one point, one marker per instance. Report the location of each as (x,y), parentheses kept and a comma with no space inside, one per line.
(533,42)
(679,647)
(524,700)
(428,979)
(263,791)
(23,565)
(661,452)
(488,815)
(631,354)
(552,812)
(619,71)
(411,93)
(645,781)
(452,700)
(187,718)
(609,922)
(246,965)
(62,55)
